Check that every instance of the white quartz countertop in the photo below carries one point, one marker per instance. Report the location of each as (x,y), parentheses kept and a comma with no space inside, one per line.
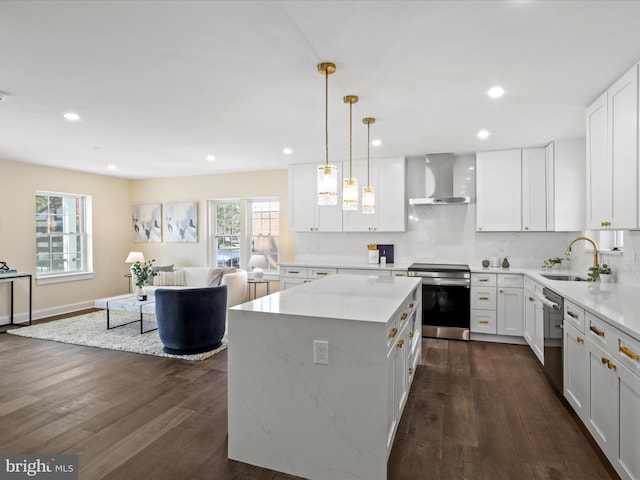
(348,264)
(346,297)
(615,303)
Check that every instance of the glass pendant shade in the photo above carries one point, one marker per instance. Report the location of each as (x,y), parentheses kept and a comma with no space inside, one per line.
(368,200)
(350,194)
(327,185)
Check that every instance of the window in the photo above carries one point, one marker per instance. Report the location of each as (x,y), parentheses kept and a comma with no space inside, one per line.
(265,230)
(608,240)
(226,248)
(62,234)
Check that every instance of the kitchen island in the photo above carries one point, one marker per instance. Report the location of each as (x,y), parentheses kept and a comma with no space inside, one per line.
(319,374)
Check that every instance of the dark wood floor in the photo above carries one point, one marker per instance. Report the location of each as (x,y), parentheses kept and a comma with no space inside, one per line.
(476,411)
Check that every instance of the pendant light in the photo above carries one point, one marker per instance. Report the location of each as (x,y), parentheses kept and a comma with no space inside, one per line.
(350,185)
(327,174)
(368,192)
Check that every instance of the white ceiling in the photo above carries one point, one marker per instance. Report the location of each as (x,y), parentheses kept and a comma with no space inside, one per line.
(161,84)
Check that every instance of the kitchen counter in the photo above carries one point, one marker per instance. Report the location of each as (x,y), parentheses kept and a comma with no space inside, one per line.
(348,264)
(615,303)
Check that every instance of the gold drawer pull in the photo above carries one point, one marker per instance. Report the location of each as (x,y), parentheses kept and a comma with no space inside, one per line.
(411,305)
(410,334)
(612,366)
(605,224)
(531,299)
(483,321)
(393,332)
(629,353)
(579,339)
(399,274)
(483,280)
(293,271)
(410,371)
(483,298)
(605,360)
(572,315)
(400,343)
(596,331)
(321,273)
(403,316)
(501,291)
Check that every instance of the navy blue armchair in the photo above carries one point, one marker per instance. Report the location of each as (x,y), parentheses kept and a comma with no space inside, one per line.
(191,320)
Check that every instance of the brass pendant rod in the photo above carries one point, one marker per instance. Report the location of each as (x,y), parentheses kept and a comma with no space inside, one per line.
(368,144)
(350,137)
(326,116)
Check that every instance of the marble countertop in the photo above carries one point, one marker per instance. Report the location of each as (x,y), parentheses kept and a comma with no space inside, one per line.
(348,264)
(347,297)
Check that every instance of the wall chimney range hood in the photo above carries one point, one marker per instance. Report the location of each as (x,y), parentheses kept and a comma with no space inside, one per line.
(438,182)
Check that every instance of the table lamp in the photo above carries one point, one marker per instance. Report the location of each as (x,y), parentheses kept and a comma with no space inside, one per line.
(135,257)
(257,264)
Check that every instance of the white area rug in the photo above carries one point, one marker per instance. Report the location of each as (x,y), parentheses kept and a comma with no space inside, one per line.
(91,330)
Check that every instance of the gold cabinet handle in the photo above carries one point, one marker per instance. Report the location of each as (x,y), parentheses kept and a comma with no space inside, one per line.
(483,280)
(531,299)
(572,315)
(579,339)
(605,224)
(293,271)
(629,353)
(321,273)
(596,331)
(411,305)
(410,334)
(526,228)
(403,316)
(410,371)
(605,360)
(483,298)
(612,366)
(400,343)
(483,321)
(399,274)
(393,332)
(501,291)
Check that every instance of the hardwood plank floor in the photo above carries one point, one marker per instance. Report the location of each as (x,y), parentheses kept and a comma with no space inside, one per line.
(476,411)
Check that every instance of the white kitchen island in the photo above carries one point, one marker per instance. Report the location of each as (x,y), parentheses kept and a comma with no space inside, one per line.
(319,375)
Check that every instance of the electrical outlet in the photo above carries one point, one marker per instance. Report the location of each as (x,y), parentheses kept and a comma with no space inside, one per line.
(321,352)
(506,249)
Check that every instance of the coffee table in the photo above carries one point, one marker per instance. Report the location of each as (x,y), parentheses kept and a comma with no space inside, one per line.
(128,303)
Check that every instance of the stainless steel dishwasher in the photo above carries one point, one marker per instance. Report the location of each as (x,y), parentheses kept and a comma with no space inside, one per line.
(553,338)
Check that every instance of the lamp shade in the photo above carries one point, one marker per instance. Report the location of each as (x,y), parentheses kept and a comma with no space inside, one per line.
(257,261)
(135,257)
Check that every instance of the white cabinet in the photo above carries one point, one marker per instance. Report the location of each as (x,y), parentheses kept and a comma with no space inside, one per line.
(612,156)
(533,328)
(388,179)
(497,304)
(510,309)
(565,180)
(576,372)
(534,199)
(305,215)
(499,191)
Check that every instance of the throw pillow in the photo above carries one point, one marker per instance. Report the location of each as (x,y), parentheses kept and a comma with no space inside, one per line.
(163,268)
(226,270)
(213,277)
(166,279)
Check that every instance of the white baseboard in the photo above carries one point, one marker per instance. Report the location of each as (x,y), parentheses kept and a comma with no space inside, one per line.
(23,317)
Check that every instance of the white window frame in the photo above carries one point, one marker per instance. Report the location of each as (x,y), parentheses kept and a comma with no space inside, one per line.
(213,261)
(85,237)
(610,242)
(250,235)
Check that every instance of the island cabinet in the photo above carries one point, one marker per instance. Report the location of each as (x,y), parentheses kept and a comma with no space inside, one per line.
(319,375)
(602,384)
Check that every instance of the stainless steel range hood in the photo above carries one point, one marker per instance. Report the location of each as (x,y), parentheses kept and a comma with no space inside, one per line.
(438,182)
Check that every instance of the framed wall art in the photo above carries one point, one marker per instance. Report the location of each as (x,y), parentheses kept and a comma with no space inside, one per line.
(181,222)
(146,223)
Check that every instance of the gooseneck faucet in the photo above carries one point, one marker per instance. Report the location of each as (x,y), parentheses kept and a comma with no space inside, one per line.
(596,264)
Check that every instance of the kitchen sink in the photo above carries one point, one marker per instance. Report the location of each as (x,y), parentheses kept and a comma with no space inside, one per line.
(563,277)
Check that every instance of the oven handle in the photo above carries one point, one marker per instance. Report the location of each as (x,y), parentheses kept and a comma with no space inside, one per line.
(446,282)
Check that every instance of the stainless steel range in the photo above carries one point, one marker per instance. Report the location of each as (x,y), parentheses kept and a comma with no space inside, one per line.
(445,299)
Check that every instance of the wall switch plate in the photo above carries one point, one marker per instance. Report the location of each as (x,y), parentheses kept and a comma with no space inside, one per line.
(321,352)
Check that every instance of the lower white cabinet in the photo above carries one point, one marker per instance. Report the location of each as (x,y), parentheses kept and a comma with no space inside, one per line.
(602,384)
(533,326)
(510,309)
(497,304)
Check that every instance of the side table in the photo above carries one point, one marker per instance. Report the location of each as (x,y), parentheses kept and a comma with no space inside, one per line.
(255,286)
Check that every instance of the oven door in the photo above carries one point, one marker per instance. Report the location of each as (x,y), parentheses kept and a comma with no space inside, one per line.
(445,306)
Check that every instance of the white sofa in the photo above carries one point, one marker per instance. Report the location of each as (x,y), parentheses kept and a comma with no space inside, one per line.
(196,277)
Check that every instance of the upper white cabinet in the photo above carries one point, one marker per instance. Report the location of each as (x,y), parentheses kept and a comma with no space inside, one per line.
(534,202)
(388,179)
(304,213)
(499,190)
(565,170)
(612,156)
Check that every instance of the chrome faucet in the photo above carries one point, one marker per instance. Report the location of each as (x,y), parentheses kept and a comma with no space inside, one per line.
(596,264)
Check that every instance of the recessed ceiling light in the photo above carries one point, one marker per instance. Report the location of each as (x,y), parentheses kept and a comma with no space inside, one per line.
(72,117)
(483,134)
(471,168)
(111,166)
(495,92)
(376,142)
(211,158)
(287,151)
